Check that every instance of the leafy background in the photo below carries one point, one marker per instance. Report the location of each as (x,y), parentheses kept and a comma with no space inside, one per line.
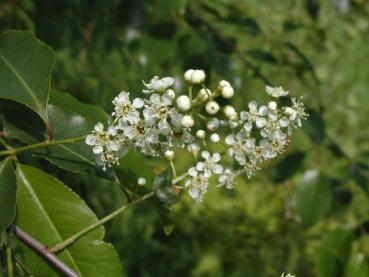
(306,213)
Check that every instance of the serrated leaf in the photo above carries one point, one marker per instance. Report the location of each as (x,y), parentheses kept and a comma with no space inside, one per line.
(7,193)
(51,213)
(25,69)
(312,198)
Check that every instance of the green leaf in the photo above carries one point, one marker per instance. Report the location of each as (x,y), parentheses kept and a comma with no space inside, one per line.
(131,167)
(357,266)
(312,198)
(333,251)
(164,189)
(51,213)
(25,70)
(68,118)
(7,193)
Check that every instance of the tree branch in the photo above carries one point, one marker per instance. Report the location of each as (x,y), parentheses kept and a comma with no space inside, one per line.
(42,250)
(43,144)
(105,219)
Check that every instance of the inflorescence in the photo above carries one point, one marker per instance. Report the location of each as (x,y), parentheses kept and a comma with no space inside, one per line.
(162,122)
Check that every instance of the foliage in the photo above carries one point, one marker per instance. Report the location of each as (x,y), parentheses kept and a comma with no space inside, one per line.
(307,215)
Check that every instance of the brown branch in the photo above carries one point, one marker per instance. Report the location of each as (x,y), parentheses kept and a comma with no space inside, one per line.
(41,249)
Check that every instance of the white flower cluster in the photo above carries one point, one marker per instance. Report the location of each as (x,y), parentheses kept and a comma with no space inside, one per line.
(154,126)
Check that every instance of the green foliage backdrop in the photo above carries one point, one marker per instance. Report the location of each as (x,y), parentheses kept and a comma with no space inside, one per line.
(306,213)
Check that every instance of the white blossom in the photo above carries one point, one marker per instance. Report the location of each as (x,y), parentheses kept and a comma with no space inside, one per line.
(276,92)
(158,85)
(212,107)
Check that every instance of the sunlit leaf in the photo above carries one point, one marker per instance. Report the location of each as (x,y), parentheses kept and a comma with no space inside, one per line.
(51,213)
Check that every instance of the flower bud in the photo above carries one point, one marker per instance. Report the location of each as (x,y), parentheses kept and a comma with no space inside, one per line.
(193,148)
(203,95)
(230,112)
(272,105)
(187,121)
(171,93)
(215,137)
(223,83)
(141,181)
(201,134)
(227,92)
(212,107)
(289,111)
(169,155)
(198,76)
(213,124)
(184,103)
(188,74)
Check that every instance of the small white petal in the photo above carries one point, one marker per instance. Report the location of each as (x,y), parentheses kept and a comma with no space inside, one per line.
(90,140)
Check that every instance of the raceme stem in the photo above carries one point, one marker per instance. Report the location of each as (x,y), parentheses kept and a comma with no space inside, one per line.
(43,144)
(102,221)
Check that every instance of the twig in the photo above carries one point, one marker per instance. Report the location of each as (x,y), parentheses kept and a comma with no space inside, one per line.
(42,250)
(9,261)
(88,229)
(43,144)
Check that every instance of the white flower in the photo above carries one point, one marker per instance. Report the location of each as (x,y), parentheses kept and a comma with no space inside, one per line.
(210,165)
(197,184)
(159,111)
(158,85)
(125,110)
(184,103)
(238,148)
(187,121)
(227,91)
(212,107)
(227,178)
(300,112)
(276,92)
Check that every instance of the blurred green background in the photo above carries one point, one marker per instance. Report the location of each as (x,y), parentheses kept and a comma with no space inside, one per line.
(308,211)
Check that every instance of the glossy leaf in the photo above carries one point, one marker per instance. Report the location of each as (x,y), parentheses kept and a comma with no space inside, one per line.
(312,198)
(7,194)
(331,255)
(51,213)
(25,69)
